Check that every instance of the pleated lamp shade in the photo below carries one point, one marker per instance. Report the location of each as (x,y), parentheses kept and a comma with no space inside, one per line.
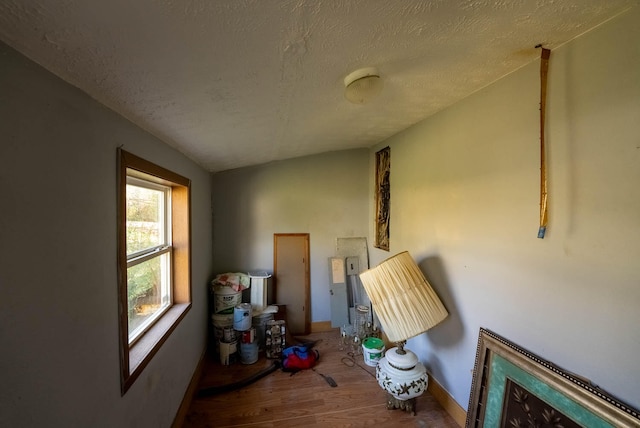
(402,298)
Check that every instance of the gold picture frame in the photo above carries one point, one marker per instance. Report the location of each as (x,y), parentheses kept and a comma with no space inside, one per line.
(513,387)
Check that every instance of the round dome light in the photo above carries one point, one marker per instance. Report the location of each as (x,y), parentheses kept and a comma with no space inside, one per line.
(362,85)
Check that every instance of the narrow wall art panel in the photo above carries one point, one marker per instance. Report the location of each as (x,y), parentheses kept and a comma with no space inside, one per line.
(383,198)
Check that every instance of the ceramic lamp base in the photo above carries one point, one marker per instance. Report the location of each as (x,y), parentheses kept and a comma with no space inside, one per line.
(403,377)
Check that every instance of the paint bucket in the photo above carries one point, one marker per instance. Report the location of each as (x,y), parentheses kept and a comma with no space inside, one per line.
(228,335)
(225,300)
(249,352)
(228,352)
(220,322)
(372,349)
(248,336)
(259,322)
(242,317)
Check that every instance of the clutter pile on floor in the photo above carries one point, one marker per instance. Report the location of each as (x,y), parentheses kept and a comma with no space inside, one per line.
(294,359)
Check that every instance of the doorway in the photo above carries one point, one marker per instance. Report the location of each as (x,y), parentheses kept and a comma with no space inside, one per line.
(291,271)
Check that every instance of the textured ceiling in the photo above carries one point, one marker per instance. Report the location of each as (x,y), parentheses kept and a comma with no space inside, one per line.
(232,83)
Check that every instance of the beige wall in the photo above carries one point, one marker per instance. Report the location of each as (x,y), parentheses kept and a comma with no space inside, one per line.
(464,202)
(325,196)
(58,291)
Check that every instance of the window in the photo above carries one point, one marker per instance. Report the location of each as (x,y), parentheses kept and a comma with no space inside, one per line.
(154,268)
(148,254)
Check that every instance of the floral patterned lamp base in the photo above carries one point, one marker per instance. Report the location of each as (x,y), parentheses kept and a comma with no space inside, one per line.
(403,377)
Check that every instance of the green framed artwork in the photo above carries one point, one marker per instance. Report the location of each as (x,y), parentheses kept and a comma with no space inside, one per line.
(515,388)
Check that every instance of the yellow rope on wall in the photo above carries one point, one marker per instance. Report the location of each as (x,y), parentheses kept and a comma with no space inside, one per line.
(544,68)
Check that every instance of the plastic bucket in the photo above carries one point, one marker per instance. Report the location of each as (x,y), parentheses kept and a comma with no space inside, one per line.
(372,349)
(248,353)
(220,322)
(228,335)
(225,299)
(228,352)
(242,317)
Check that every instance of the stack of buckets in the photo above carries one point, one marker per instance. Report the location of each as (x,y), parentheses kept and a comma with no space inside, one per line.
(224,301)
(248,341)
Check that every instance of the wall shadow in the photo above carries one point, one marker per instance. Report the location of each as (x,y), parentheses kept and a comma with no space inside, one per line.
(450,331)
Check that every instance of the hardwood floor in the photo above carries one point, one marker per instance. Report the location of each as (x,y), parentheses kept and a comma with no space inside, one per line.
(304,399)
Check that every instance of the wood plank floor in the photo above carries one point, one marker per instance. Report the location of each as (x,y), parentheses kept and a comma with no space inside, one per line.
(305,399)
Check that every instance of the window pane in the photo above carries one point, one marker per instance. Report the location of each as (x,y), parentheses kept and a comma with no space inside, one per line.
(145,218)
(148,292)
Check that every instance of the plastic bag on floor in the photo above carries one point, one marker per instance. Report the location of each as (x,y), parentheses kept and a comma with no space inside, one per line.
(296,358)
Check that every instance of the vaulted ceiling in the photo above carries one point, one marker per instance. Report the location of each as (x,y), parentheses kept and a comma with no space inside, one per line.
(233,83)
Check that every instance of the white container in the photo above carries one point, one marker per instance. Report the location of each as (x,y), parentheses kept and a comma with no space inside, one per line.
(228,352)
(242,317)
(373,350)
(220,321)
(225,299)
(259,289)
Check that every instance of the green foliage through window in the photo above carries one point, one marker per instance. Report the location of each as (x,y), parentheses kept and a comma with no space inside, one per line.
(145,237)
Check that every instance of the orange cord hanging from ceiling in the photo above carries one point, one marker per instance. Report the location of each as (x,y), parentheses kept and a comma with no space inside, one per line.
(544,67)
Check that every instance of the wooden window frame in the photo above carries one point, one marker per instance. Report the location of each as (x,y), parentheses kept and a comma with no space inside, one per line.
(135,357)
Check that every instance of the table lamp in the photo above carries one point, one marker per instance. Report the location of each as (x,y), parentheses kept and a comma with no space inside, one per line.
(406,306)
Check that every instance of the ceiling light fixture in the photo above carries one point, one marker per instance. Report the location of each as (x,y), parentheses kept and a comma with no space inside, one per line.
(362,85)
